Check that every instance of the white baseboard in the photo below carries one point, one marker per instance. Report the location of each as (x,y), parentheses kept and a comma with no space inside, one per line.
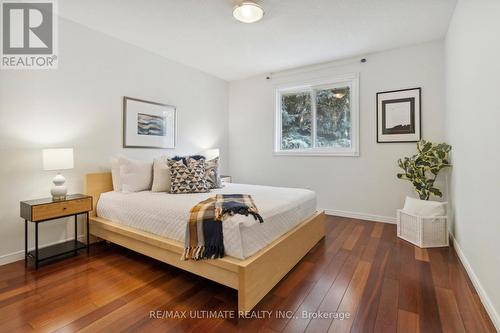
(488,305)
(361,216)
(19,255)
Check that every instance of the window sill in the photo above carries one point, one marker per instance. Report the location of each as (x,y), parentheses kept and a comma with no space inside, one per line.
(317,153)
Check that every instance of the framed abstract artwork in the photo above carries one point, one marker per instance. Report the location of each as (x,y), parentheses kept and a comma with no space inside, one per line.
(399,115)
(148,124)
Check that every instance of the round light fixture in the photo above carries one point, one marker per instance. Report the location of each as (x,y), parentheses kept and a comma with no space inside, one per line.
(248,12)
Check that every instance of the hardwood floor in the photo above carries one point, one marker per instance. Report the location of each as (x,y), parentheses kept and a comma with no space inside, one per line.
(360,270)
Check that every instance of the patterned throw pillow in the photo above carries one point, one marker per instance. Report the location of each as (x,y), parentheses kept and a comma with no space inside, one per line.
(184,159)
(188,178)
(212,173)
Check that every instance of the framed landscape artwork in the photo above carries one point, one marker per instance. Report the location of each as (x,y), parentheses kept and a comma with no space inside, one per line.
(148,124)
(398,115)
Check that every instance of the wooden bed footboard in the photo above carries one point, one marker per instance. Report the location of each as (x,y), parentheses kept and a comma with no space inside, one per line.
(253,277)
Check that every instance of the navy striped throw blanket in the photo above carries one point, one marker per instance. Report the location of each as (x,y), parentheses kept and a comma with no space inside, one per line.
(204,238)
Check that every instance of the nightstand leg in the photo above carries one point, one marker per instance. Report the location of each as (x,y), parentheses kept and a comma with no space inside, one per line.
(36,245)
(76,232)
(26,242)
(88,234)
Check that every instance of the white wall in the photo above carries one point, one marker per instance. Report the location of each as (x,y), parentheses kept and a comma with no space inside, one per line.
(365,184)
(473,118)
(80,105)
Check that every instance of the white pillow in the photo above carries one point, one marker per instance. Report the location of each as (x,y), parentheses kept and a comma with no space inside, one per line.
(424,207)
(161,175)
(135,175)
(115,173)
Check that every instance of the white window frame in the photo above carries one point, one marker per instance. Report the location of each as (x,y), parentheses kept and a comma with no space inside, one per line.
(347,80)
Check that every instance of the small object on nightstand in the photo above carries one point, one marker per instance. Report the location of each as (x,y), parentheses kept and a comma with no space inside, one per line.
(58,159)
(226,179)
(42,210)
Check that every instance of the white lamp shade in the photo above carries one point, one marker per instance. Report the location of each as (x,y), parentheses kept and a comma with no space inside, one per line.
(57,159)
(210,154)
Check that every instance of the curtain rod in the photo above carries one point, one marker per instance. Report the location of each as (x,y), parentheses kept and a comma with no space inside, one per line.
(310,68)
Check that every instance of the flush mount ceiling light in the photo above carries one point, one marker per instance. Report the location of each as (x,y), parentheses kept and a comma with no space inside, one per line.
(248,12)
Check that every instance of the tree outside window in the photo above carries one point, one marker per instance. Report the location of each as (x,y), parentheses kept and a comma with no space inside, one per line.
(317,119)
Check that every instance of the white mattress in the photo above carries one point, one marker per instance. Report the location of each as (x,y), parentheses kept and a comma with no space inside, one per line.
(166,214)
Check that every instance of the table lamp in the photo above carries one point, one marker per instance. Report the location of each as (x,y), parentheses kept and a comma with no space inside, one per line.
(58,159)
(211,153)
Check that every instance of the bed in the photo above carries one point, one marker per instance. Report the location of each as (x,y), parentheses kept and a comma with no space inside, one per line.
(258,255)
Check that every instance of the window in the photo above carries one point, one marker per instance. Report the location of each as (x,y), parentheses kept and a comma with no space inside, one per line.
(318,119)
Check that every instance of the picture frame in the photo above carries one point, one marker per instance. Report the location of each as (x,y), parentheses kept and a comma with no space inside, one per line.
(399,116)
(148,124)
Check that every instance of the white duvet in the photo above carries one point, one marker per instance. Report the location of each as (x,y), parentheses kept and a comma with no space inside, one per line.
(166,214)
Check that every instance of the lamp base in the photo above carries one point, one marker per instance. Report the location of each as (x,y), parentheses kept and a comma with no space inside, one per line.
(58,198)
(59,190)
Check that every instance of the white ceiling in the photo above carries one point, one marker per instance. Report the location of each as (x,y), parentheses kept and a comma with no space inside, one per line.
(293,33)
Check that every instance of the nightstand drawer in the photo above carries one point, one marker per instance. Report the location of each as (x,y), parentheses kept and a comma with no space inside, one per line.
(63,208)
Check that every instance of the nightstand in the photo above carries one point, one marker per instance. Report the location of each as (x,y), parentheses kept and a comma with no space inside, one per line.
(42,210)
(226,179)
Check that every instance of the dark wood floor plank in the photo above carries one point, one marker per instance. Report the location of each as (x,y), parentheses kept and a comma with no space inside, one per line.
(24,275)
(90,317)
(139,307)
(485,317)
(332,235)
(386,285)
(353,238)
(54,291)
(45,282)
(317,273)
(317,294)
(371,249)
(330,252)
(291,304)
(428,311)
(387,312)
(364,321)
(77,305)
(378,229)
(469,312)
(394,261)
(149,281)
(421,254)
(268,306)
(409,285)
(440,267)
(334,297)
(408,322)
(295,277)
(360,248)
(448,311)
(352,298)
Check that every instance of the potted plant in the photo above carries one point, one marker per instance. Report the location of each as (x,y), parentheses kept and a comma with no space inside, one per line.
(422,168)
(423,222)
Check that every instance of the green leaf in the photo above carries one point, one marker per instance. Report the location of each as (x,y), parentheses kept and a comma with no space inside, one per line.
(427,147)
(436,192)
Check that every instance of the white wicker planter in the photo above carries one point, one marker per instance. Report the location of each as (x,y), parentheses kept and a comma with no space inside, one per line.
(423,231)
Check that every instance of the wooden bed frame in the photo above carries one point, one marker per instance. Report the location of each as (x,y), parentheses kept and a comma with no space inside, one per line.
(253,277)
